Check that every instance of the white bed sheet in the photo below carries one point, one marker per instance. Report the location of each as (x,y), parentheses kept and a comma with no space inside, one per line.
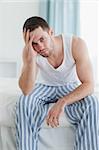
(9,94)
(49,139)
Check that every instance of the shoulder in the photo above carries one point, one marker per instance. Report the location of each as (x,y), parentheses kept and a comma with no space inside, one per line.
(79,48)
(78,42)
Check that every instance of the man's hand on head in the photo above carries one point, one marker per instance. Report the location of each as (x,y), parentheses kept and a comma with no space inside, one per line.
(28,52)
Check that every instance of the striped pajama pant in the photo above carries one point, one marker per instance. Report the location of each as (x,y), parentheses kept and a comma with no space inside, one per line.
(32,109)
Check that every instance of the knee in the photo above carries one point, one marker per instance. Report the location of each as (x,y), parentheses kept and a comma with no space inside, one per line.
(23,103)
(27,103)
(93,102)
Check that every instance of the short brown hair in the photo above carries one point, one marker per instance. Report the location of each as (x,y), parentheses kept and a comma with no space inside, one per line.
(34,22)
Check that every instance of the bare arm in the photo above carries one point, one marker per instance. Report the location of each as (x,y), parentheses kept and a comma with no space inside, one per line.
(29,70)
(84,72)
(85,75)
(28,77)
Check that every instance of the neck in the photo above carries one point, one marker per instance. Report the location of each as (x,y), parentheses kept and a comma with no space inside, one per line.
(56,48)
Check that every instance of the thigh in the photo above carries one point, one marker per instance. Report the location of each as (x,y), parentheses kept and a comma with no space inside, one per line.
(88,106)
(41,94)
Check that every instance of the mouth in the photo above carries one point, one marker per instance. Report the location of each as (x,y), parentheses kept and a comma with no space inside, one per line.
(43,51)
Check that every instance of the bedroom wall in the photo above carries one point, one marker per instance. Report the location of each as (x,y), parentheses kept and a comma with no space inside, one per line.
(12,16)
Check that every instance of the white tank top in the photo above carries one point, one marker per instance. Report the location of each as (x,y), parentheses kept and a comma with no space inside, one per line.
(65,73)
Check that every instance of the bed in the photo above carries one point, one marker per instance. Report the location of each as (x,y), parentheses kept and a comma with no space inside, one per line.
(60,138)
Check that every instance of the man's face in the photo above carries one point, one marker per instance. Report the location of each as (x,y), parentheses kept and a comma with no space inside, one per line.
(42,41)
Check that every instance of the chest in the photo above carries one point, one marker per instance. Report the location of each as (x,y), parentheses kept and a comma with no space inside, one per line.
(57,62)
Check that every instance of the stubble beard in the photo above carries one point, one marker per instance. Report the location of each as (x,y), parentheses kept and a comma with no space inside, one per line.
(50,51)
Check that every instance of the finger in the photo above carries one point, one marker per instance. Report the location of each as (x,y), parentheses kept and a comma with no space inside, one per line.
(47,120)
(50,122)
(27,36)
(56,121)
(48,115)
(24,34)
(31,39)
(31,45)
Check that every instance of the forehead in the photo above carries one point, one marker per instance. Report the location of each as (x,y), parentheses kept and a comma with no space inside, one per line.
(37,33)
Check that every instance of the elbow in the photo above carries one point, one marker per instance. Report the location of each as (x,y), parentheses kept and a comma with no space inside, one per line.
(25,90)
(88,87)
(91,88)
(25,93)
(91,91)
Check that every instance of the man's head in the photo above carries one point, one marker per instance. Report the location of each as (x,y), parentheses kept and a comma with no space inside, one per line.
(34,22)
(41,33)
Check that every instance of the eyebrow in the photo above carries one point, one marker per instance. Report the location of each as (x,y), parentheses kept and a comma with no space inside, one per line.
(38,40)
(34,43)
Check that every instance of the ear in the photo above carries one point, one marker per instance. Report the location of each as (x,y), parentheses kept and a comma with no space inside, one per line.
(51,32)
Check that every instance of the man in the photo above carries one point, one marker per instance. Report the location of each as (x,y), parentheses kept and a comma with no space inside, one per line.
(55,69)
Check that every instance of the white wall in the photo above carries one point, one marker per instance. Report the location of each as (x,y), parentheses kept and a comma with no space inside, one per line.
(89,31)
(12,16)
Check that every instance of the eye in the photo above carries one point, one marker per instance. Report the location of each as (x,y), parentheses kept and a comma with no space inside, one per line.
(42,39)
(34,43)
